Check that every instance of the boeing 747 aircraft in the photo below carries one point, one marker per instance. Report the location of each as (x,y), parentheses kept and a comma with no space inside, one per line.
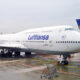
(58,40)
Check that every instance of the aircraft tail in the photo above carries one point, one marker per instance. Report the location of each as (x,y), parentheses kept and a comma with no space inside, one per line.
(78,22)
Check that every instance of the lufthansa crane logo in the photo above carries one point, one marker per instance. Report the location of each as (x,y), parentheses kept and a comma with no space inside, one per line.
(38,37)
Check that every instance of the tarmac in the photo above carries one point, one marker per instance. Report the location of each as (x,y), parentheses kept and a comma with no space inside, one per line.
(32,68)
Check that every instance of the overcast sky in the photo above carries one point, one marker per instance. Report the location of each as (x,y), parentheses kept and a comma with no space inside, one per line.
(18,15)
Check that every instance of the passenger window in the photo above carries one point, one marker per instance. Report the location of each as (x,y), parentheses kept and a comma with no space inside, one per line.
(67,41)
(71,41)
(78,41)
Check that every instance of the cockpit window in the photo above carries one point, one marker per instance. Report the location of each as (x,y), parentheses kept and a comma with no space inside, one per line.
(69,29)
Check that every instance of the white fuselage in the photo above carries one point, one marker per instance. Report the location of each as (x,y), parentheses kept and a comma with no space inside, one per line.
(55,40)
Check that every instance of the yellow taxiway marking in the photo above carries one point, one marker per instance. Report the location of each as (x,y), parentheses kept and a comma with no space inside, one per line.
(73,67)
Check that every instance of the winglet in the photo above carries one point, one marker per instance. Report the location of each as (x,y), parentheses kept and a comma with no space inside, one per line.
(78,22)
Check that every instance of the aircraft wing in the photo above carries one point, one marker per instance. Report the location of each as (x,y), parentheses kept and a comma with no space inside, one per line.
(13,46)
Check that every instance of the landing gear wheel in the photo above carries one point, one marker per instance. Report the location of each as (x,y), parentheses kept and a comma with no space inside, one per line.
(2,54)
(28,54)
(9,54)
(17,54)
(64,62)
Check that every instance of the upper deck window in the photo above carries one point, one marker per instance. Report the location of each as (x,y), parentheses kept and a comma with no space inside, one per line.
(69,29)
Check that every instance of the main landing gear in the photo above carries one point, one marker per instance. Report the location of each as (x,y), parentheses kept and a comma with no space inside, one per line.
(17,54)
(63,60)
(28,54)
(6,53)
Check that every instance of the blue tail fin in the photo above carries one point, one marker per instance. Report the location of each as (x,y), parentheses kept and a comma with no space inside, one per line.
(78,22)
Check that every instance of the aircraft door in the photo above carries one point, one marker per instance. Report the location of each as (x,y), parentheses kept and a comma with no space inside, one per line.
(49,42)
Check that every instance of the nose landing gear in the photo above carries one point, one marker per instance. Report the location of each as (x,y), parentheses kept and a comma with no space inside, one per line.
(64,60)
